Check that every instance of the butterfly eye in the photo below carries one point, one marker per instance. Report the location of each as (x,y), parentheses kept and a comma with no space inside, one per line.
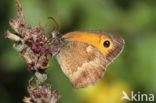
(106,43)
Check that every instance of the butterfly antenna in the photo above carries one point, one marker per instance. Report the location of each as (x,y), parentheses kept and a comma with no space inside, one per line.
(57,26)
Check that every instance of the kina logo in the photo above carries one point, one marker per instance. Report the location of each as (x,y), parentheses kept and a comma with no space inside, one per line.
(138,96)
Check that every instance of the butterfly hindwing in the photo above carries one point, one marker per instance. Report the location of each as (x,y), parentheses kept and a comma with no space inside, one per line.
(82,63)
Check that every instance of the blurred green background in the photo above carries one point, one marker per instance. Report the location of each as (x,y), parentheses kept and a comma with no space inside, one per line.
(134,70)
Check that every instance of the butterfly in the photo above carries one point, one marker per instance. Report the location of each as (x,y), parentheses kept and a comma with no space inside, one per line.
(84,55)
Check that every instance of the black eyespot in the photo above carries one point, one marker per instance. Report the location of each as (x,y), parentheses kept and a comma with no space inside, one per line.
(106,43)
